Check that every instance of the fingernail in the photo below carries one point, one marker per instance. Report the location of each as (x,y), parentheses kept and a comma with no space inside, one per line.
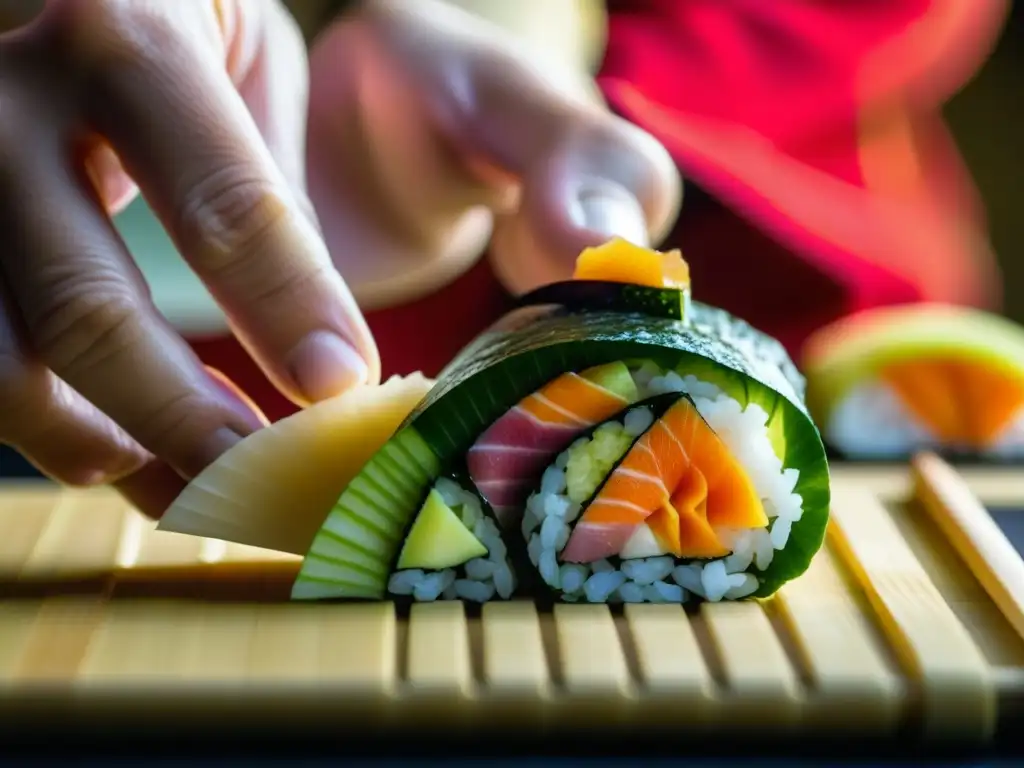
(323,365)
(611,211)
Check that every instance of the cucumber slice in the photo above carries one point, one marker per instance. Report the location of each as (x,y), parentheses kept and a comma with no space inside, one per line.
(438,539)
(603,296)
(614,377)
(351,556)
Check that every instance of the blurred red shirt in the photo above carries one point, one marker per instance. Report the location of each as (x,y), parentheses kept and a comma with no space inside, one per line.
(821,179)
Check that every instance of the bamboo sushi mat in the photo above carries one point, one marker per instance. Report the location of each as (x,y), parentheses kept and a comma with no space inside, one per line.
(893,628)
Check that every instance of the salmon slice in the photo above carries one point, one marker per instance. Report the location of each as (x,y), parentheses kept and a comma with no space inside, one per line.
(961,402)
(924,388)
(681,470)
(506,460)
(681,526)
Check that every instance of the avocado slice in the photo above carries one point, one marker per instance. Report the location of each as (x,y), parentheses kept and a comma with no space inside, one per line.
(438,539)
(615,378)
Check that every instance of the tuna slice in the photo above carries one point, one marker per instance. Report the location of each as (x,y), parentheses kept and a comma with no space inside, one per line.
(509,457)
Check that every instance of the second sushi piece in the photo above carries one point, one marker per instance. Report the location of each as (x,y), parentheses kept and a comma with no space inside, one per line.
(884,383)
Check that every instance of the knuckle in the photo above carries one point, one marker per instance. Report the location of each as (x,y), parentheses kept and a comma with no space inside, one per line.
(229,216)
(82,323)
(101,35)
(171,427)
(288,287)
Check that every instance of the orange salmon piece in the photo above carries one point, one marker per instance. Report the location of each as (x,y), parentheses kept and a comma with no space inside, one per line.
(633,490)
(680,475)
(572,399)
(960,401)
(690,503)
(925,389)
(988,399)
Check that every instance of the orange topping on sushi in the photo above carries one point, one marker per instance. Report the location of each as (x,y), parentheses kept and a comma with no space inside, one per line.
(619,261)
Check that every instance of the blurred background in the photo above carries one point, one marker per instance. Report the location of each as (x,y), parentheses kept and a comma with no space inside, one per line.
(987,118)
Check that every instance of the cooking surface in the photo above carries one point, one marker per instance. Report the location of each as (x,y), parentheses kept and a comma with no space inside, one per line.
(888,629)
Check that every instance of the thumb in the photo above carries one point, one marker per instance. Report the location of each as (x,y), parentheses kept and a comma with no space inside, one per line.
(601,178)
(583,174)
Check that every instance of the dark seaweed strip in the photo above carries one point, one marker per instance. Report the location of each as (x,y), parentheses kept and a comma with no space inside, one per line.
(711,334)
(604,296)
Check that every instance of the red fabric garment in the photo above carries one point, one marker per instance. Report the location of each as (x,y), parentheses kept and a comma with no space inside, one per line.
(817,121)
(814,126)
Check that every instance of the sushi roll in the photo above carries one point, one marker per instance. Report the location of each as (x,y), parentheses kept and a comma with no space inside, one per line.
(885,383)
(682,495)
(622,443)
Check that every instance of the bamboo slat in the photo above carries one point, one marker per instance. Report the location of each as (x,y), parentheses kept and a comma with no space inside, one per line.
(897,623)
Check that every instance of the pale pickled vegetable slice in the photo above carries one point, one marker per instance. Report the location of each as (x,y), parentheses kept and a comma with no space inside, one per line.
(275,489)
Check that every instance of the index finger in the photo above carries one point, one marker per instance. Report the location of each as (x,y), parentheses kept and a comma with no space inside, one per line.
(159,90)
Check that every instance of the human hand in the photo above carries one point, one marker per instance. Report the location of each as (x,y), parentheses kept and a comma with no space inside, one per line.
(432,133)
(202,104)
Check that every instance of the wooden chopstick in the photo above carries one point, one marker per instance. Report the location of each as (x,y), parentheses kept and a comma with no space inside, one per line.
(970,529)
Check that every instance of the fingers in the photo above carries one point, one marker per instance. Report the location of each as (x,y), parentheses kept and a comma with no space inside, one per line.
(162,97)
(62,434)
(151,489)
(270,72)
(88,319)
(585,174)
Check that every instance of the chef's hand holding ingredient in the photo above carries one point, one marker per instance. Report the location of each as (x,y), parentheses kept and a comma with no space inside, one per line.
(202,106)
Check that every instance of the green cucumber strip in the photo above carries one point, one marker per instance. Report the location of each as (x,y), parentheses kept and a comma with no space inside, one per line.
(352,554)
(614,377)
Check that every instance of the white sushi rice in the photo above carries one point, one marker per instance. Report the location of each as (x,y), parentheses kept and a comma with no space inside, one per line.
(870,421)
(550,512)
(478,580)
